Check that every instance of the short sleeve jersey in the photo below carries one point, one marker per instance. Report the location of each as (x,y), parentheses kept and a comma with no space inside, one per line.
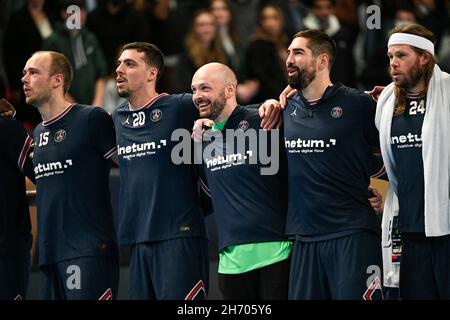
(250,203)
(72,164)
(159,196)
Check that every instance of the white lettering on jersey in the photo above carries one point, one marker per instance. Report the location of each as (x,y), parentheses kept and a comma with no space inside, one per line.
(51,168)
(139,119)
(140,149)
(43,138)
(308,145)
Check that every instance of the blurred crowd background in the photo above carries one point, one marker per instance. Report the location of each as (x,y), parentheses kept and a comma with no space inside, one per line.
(251,36)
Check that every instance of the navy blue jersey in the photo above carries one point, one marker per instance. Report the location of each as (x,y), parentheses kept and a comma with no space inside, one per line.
(158,198)
(330,158)
(15,226)
(71,164)
(249,207)
(406,144)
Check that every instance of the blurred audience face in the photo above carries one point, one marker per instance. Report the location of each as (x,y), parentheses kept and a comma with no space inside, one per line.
(205,27)
(272,20)
(221,11)
(404,17)
(322,9)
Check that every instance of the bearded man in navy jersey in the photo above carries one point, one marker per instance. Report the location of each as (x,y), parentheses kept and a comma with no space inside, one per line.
(330,139)
(249,198)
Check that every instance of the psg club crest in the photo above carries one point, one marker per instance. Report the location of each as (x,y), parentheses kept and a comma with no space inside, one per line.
(60,135)
(243,125)
(156,115)
(337,112)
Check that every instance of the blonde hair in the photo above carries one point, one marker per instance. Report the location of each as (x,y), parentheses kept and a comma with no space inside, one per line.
(196,50)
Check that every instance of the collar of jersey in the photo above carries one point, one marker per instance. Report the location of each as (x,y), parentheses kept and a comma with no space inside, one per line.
(329,92)
(59,116)
(220,126)
(149,104)
(414,96)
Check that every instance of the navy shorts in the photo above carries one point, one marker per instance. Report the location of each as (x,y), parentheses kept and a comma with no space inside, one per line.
(14,275)
(86,278)
(344,268)
(425,268)
(176,269)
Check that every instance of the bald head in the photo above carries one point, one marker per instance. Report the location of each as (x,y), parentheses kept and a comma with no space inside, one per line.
(215,71)
(214,89)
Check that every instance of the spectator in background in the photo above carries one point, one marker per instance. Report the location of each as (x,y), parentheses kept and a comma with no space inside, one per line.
(347,14)
(246,17)
(202,45)
(27,29)
(170,17)
(221,9)
(115,22)
(404,15)
(138,5)
(433,15)
(295,12)
(112,99)
(375,71)
(444,52)
(321,17)
(264,75)
(82,49)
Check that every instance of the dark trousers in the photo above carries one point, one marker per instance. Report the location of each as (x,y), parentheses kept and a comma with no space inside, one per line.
(425,268)
(85,278)
(345,268)
(14,274)
(267,283)
(176,269)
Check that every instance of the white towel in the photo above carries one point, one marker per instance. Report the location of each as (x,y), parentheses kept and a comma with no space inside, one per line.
(436,162)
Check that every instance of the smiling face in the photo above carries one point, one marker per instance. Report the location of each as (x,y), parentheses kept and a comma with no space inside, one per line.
(208,93)
(406,66)
(300,64)
(133,74)
(37,82)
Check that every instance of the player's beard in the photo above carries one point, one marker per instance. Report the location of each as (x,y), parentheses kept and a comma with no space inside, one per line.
(303,78)
(123,93)
(217,106)
(411,78)
(37,101)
